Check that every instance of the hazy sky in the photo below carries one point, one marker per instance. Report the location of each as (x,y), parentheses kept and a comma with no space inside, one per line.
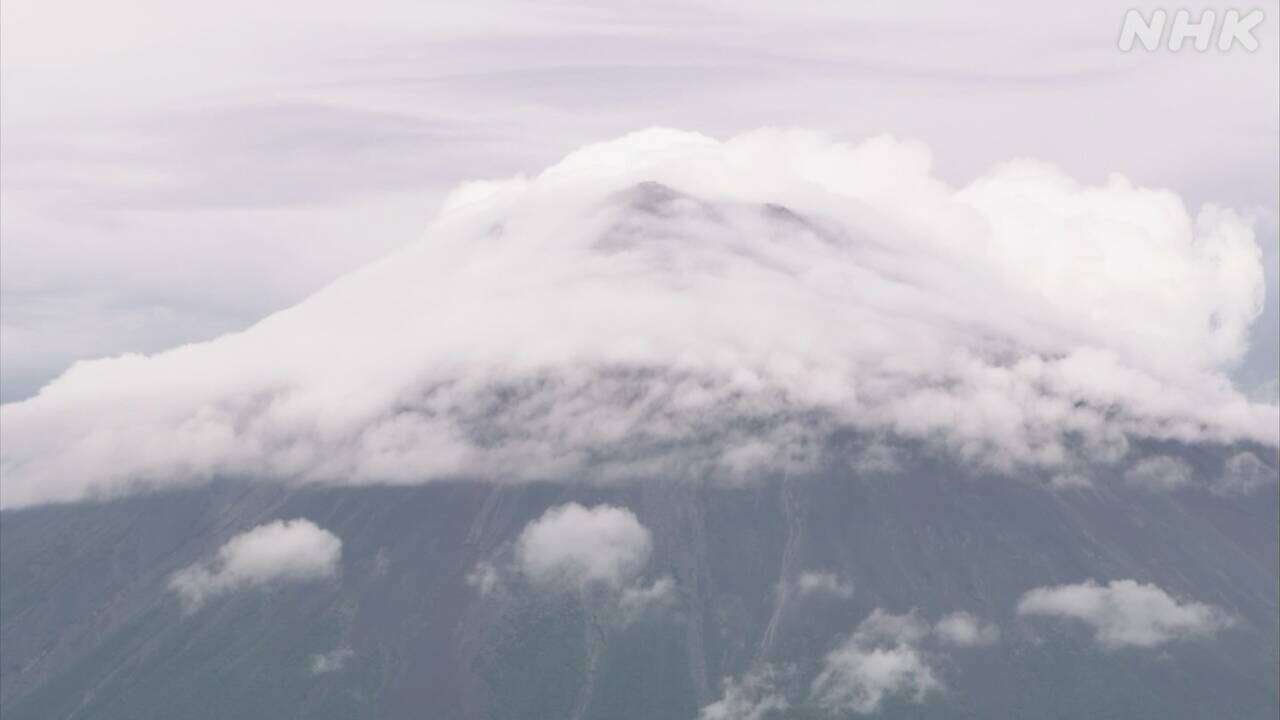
(176,170)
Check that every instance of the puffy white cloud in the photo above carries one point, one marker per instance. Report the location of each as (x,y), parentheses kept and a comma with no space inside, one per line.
(880,659)
(609,318)
(1126,613)
(816,583)
(278,551)
(756,696)
(576,548)
(332,661)
(1159,473)
(963,629)
(203,132)
(598,553)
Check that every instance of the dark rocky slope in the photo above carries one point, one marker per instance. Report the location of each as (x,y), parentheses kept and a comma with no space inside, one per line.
(88,628)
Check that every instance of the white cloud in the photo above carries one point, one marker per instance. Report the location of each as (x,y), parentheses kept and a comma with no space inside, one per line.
(199,134)
(816,583)
(756,696)
(1126,613)
(581,322)
(1243,474)
(576,548)
(278,551)
(635,601)
(598,553)
(880,659)
(963,629)
(882,627)
(332,661)
(1159,473)
(885,656)
(484,578)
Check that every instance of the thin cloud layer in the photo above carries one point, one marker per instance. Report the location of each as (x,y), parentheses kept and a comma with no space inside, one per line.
(1126,613)
(484,578)
(279,551)
(667,303)
(1244,474)
(332,661)
(1159,473)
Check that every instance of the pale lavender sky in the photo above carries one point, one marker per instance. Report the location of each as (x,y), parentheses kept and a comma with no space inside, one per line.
(176,170)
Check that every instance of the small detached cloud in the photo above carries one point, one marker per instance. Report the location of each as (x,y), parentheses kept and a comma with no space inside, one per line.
(814,583)
(578,548)
(1243,474)
(279,551)
(1159,473)
(758,695)
(597,553)
(1126,613)
(963,629)
(887,655)
(484,578)
(635,601)
(332,661)
(880,659)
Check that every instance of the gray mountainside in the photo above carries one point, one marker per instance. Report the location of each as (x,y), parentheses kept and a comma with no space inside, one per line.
(90,629)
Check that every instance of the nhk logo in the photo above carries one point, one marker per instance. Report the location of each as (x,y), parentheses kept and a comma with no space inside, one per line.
(1157,32)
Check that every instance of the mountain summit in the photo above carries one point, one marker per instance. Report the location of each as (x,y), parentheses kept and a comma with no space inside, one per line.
(670,304)
(773,427)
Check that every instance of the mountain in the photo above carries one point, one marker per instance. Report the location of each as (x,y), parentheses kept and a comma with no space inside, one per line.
(680,428)
(90,628)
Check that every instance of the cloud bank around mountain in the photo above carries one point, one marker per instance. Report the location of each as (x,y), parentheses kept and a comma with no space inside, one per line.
(670,304)
(1126,613)
(279,551)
